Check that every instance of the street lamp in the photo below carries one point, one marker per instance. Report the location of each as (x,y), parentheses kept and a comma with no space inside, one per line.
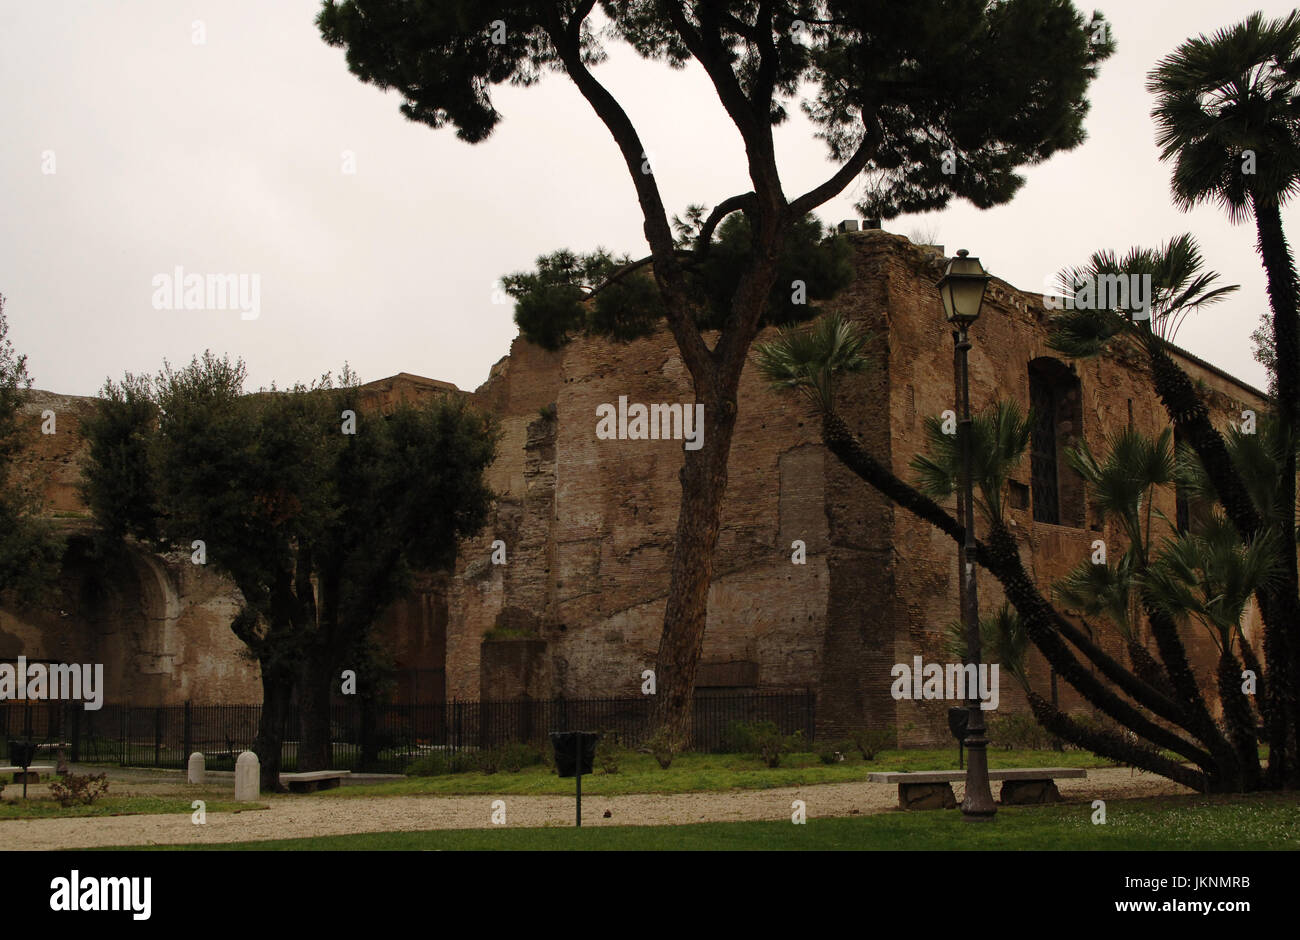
(962,289)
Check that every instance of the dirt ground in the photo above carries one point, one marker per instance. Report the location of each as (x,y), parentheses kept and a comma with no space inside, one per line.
(308,815)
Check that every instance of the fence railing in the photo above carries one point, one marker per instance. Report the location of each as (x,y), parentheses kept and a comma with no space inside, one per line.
(377,738)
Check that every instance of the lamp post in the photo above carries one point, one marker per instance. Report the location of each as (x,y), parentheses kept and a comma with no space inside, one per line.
(962,290)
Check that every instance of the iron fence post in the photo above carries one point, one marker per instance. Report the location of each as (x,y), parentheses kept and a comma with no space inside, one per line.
(74,733)
(187,733)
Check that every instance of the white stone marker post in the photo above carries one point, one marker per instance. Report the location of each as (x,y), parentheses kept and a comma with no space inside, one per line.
(247,772)
(198,768)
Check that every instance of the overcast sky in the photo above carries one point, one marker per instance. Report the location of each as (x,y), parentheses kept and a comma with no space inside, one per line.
(227,156)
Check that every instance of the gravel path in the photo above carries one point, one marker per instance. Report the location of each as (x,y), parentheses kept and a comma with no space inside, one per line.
(298,816)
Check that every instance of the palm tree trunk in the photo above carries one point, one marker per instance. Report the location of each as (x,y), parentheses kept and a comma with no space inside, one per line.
(1199,721)
(1252,663)
(1042,628)
(1146,668)
(1043,623)
(1239,719)
(1281,649)
(1108,744)
(1279,604)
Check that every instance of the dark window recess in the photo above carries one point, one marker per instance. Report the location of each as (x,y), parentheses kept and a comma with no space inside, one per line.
(1055,397)
(1190,515)
(1047,502)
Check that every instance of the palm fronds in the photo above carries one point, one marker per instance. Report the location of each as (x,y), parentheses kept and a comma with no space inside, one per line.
(999,437)
(807,360)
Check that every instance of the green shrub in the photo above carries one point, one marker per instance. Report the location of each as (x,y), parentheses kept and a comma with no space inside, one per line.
(761,738)
(440,763)
(1017,731)
(772,743)
(829,753)
(517,755)
(657,746)
(742,737)
(73,789)
(871,741)
(607,759)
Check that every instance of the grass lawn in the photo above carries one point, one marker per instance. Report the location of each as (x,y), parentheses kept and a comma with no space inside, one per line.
(47,808)
(1258,821)
(638,773)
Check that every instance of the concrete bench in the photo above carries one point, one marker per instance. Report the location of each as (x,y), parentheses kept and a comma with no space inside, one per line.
(932,789)
(314,780)
(33,772)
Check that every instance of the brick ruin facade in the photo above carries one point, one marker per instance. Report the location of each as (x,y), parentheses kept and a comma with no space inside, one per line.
(577,609)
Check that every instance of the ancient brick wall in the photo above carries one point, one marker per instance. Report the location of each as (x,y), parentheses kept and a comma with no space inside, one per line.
(1114,390)
(588,526)
(589,522)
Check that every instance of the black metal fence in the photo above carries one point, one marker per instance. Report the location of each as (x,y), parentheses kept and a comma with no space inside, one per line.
(379,738)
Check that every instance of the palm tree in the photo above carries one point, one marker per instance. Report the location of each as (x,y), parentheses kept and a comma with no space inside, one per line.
(1228,116)
(808,362)
(1180,285)
(998,441)
(1122,487)
(1209,577)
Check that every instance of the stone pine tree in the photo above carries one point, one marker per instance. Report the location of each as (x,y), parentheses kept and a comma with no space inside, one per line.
(316,512)
(930,99)
(1228,118)
(29,548)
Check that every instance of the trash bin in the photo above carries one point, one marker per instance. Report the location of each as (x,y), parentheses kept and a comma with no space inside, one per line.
(22,753)
(572,747)
(958,717)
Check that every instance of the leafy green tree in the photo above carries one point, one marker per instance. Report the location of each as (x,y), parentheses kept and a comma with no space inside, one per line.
(1265,354)
(30,549)
(1227,116)
(930,99)
(317,527)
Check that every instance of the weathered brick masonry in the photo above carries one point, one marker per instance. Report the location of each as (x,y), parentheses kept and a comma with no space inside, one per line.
(588,526)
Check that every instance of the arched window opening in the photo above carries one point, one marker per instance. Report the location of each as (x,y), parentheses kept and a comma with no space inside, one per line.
(1057,404)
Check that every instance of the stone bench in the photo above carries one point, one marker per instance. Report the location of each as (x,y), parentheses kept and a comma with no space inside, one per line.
(932,789)
(314,780)
(33,772)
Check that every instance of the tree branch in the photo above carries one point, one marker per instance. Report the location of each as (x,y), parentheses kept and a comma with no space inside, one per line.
(668,274)
(707,47)
(843,176)
(745,201)
(628,269)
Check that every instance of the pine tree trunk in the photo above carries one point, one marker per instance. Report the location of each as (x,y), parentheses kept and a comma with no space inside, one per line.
(704,484)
